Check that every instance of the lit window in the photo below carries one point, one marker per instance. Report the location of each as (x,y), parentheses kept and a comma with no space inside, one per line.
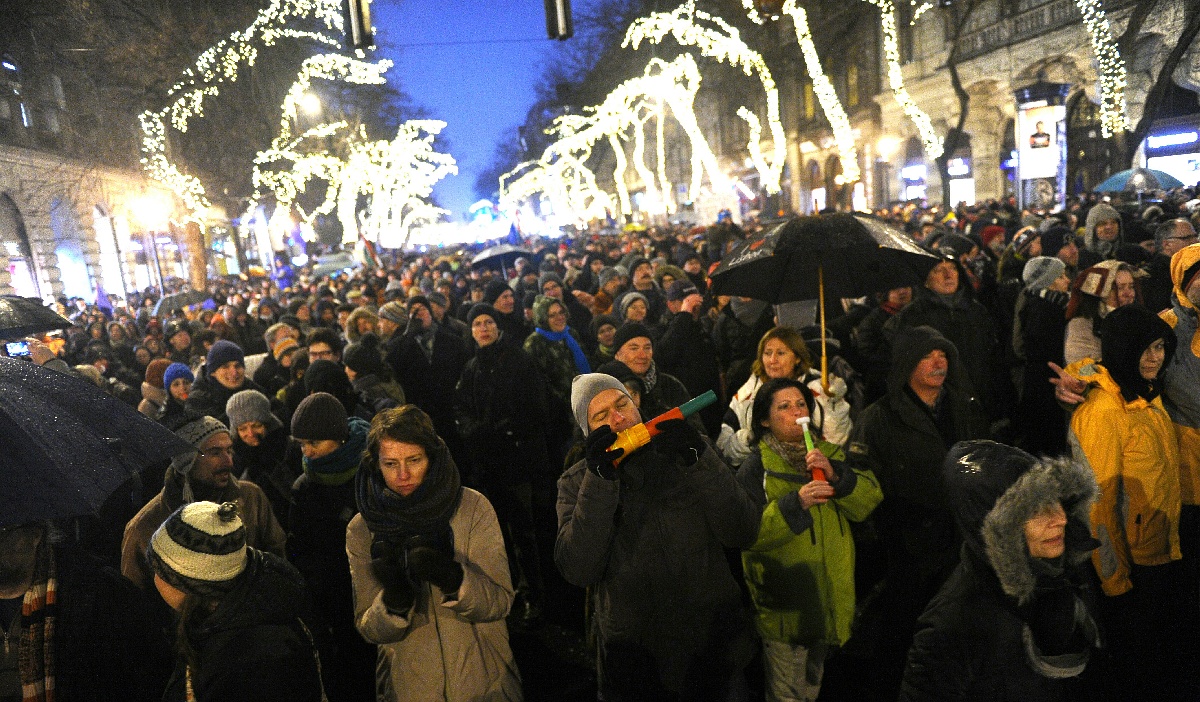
(852,85)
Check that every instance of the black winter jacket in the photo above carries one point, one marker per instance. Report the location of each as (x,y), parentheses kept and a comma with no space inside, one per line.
(254,646)
(1003,629)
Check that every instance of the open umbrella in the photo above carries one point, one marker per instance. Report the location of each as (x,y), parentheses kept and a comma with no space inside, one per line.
(67,445)
(22,316)
(807,258)
(503,255)
(170,303)
(1138,180)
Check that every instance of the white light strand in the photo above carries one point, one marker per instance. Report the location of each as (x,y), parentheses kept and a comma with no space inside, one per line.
(396,176)
(221,64)
(843,134)
(934,145)
(1112,67)
(561,175)
(724,43)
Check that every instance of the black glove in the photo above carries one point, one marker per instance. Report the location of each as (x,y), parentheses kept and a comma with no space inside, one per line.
(440,539)
(600,459)
(387,563)
(677,437)
(436,568)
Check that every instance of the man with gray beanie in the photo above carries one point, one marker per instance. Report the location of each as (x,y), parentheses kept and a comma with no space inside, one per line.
(263,452)
(646,533)
(206,474)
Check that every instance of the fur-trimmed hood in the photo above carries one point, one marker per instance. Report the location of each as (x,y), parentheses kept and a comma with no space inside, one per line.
(995,489)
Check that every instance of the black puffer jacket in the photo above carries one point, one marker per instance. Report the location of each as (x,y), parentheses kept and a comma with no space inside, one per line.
(1005,627)
(254,645)
(273,465)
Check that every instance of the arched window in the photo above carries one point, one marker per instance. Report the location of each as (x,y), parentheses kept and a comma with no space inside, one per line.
(1088,152)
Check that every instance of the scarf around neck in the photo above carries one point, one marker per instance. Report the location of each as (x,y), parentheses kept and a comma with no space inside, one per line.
(650,379)
(340,465)
(581,362)
(792,454)
(392,516)
(39,610)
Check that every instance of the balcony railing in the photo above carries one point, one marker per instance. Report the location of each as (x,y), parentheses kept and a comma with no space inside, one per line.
(1019,27)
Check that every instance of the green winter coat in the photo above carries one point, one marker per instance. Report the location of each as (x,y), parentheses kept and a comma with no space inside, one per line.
(800,571)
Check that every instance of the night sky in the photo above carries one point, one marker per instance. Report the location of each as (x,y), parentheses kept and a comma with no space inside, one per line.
(479,89)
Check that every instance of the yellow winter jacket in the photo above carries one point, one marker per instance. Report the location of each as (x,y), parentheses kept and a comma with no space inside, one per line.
(1182,378)
(1133,450)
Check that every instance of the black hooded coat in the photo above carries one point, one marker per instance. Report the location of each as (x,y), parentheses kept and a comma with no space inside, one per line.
(1004,626)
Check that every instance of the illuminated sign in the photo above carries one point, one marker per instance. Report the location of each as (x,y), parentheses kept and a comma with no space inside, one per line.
(957,167)
(917,172)
(1162,141)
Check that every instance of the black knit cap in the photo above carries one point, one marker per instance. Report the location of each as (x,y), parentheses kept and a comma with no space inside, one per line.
(631,330)
(493,290)
(320,416)
(481,308)
(419,300)
(363,356)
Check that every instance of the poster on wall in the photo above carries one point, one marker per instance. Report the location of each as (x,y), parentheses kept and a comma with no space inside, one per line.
(1039,140)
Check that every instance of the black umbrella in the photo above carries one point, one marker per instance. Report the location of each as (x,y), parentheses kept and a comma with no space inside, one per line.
(177,301)
(22,316)
(67,445)
(807,258)
(503,255)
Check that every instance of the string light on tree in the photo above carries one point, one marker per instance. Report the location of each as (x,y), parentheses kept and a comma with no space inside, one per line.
(723,43)
(1113,79)
(934,145)
(222,63)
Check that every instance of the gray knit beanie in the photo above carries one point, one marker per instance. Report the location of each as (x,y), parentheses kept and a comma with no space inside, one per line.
(250,406)
(197,431)
(1041,271)
(606,274)
(587,386)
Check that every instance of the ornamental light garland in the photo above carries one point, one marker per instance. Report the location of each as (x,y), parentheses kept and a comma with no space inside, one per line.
(1113,79)
(396,175)
(723,43)
(831,105)
(222,63)
(934,145)
(561,175)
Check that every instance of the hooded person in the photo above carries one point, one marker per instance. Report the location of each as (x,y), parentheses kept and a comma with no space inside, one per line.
(1012,621)
(1123,433)
(736,333)
(1181,397)
(154,393)
(330,377)
(902,438)
(177,381)
(263,452)
(240,632)
(206,474)
(1104,239)
(647,538)
(322,504)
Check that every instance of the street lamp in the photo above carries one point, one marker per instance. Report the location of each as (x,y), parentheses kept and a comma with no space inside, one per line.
(310,102)
(153,212)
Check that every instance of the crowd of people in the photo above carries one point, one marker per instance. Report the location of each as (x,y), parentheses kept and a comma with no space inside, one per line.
(993,493)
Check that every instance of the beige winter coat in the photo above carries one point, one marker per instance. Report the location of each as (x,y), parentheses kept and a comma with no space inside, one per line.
(445,649)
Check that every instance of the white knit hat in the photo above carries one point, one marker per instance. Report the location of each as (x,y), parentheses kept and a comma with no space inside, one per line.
(200,549)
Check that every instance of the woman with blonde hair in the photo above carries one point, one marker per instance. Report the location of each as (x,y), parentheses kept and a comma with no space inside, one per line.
(782,353)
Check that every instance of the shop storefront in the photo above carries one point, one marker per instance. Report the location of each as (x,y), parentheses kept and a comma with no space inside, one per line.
(1173,146)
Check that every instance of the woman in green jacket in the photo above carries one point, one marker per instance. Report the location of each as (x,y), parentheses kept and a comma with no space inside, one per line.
(800,571)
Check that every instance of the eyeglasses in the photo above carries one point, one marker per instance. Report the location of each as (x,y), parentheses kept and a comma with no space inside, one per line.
(218,452)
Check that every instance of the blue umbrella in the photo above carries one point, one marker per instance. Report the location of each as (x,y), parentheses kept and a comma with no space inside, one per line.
(1138,180)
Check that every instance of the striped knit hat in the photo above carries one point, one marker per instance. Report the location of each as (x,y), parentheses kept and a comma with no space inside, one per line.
(200,549)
